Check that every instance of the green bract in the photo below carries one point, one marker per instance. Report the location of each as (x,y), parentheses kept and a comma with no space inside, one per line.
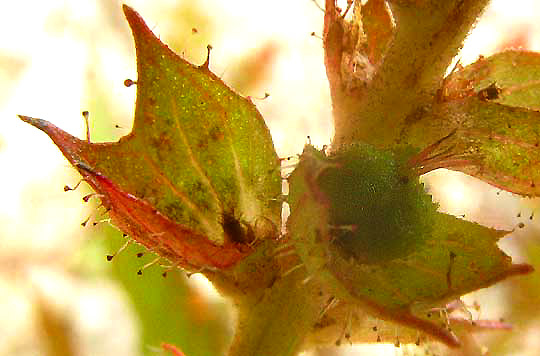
(362,224)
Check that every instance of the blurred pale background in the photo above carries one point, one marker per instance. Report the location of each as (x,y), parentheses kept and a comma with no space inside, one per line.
(59,295)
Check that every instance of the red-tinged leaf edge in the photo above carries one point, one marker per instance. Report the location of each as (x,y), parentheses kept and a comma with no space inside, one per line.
(137,218)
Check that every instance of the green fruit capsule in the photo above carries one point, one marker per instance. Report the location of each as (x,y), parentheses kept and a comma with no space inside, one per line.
(378,211)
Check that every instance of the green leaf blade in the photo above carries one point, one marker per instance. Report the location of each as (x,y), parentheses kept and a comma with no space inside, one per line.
(491,109)
(198,155)
(490,141)
(515,72)
(217,134)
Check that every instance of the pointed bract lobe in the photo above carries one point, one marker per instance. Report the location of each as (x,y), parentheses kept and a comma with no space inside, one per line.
(197,150)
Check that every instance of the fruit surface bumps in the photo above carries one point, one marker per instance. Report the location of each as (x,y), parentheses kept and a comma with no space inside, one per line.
(378,210)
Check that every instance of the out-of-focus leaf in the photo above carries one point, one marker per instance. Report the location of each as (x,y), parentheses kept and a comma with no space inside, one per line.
(450,258)
(11,67)
(196,178)
(169,308)
(254,68)
(58,336)
(190,27)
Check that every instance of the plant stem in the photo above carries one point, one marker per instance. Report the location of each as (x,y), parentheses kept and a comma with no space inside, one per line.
(278,323)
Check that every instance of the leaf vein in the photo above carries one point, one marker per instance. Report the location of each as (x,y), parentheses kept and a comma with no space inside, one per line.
(199,215)
(194,162)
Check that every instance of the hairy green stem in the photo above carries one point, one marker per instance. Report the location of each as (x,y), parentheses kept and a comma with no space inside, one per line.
(427,37)
(278,323)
